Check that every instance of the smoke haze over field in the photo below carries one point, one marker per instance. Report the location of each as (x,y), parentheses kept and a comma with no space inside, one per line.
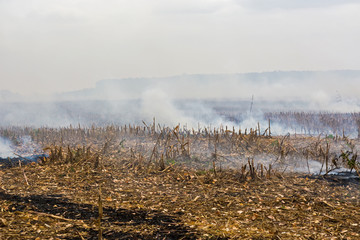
(193,100)
(5,149)
(335,91)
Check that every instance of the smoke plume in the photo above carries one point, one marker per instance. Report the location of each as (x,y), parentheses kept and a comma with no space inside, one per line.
(191,100)
(5,148)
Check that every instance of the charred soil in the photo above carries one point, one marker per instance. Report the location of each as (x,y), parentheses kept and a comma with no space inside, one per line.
(171,185)
(62,202)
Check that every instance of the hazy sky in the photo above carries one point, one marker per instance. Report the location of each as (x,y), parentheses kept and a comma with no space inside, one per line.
(60,45)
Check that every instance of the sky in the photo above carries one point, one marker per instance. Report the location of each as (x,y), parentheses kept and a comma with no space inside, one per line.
(62,45)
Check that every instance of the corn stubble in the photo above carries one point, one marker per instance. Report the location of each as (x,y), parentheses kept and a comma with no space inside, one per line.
(156,182)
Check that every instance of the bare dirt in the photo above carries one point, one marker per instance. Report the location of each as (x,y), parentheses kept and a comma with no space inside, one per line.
(94,185)
(62,202)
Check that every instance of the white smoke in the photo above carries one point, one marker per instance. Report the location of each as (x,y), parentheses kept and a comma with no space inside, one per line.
(156,103)
(6,149)
(183,99)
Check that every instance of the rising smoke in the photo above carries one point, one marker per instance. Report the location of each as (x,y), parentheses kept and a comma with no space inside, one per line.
(5,148)
(192,100)
(24,149)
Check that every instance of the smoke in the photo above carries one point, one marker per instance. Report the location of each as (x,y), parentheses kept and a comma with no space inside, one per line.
(190,100)
(6,149)
(24,147)
(156,103)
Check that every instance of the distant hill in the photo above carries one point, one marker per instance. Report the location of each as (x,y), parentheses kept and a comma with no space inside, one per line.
(276,85)
(7,96)
(263,85)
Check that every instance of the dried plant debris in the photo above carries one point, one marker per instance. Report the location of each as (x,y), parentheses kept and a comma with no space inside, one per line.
(161,183)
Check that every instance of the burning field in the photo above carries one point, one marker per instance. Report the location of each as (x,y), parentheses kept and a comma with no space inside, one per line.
(155,182)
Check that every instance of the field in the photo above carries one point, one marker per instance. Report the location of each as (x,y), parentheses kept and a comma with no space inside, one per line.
(154,182)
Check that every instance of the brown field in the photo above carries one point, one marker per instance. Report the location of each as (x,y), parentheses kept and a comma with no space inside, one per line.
(154,182)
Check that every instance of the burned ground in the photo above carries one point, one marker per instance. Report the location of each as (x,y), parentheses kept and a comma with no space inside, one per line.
(62,202)
(149,187)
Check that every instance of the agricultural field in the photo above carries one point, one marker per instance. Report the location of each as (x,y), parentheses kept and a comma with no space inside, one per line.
(209,120)
(149,181)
